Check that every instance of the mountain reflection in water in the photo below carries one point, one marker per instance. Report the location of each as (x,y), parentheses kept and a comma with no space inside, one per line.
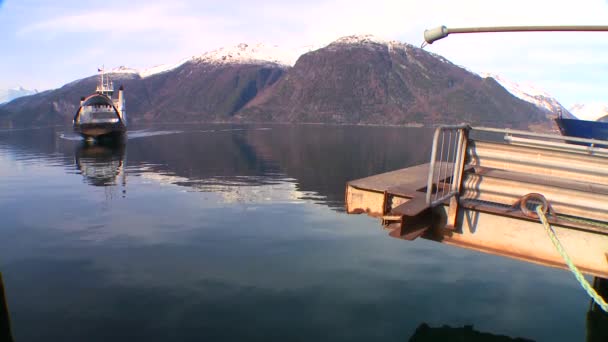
(597,327)
(219,159)
(227,232)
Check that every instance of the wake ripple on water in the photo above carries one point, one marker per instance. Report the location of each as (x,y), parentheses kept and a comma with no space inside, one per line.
(130,135)
(148,133)
(70,136)
(230,130)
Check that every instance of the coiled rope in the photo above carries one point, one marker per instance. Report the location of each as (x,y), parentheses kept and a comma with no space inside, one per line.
(540,211)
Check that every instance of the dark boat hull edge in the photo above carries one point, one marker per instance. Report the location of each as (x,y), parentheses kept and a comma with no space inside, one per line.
(101,130)
(583,128)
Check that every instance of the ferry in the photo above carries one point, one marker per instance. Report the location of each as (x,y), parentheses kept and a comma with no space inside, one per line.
(583,128)
(100,115)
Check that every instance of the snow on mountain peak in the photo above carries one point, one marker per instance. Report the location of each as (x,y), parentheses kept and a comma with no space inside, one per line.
(532,94)
(158,69)
(525,88)
(361,39)
(123,70)
(146,72)
(372,42)
(368,40)
(240,54)
(590,111)
(250,54)
(7,95)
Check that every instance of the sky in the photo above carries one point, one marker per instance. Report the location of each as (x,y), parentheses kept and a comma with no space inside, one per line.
(46,44)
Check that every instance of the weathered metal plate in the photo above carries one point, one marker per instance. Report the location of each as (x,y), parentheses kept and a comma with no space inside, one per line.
(402,182)
(500,234)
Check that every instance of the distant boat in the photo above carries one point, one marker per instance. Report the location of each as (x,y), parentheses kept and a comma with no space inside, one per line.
(583,128)
(99,115)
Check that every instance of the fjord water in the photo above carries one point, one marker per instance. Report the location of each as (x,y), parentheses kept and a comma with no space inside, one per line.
(238,233)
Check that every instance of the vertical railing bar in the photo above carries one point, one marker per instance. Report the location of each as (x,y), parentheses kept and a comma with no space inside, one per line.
(463,154)
(454,166)
(437,162)
(442,169)
(457,162)
(447,164)
(453,160)
(429,182)
(440,163)
(452,153)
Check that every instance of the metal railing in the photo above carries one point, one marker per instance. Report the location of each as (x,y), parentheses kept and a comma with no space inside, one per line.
(447,163)
(549,141)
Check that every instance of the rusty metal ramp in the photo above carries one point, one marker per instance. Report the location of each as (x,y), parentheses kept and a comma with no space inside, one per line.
(473,194)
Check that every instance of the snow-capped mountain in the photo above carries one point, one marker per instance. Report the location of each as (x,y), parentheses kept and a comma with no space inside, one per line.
(369,41)
(365,79)
(362,39)
(157,69)
(260,54)
(532,94)
(354,80)
(251,54)
(7,95)
(590,111)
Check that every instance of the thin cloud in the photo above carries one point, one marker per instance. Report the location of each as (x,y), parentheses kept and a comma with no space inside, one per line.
(129,21)
(152,32)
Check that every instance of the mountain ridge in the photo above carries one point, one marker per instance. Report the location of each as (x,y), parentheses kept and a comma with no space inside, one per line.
(353,80)
(7,95)
(533,95)
(361,80)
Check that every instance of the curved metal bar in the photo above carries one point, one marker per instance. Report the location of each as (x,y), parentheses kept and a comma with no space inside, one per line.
(438,168)
(441,32)
(107,101)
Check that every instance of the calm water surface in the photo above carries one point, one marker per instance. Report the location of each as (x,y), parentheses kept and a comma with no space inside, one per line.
(238,233)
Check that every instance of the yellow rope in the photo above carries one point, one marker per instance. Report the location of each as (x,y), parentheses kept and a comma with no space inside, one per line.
(577,274)
(584,221)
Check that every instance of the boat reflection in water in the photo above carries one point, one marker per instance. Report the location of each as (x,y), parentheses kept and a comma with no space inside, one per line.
(102,164)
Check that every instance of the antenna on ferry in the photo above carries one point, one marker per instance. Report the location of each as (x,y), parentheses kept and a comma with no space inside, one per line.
(434,34)
(101,77)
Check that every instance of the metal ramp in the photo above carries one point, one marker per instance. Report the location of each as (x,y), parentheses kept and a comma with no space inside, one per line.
(411,219)
(471,192)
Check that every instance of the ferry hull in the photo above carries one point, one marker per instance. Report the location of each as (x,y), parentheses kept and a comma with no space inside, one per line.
(583,128)
(100,130)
